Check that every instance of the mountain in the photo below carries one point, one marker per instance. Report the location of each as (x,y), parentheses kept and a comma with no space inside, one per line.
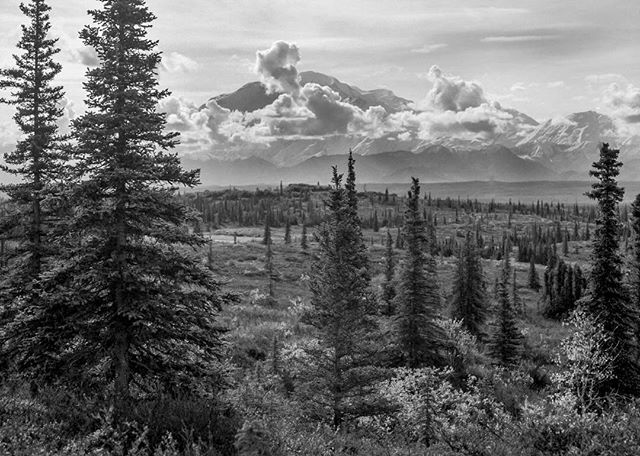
(432,164)
(524,149)
(571,143)
(253,96)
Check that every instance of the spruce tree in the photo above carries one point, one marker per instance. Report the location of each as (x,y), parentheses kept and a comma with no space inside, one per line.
(142,307)
(418,336)
(470,302)
(534,279)
(266,236)
(341,378)
(506,341)
(29,318)
(388,288)
(608,302)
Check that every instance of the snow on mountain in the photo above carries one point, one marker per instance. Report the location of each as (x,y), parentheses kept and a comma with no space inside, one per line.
(521,149)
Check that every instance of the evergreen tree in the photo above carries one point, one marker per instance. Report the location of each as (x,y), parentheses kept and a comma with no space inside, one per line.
(418,299)
(388,290)
(287,232)
(142,309)
(341,378)
(29,318)
(399,240)
(608,301)
(266,236)
(303,237)
(470,302)
(506,341)
(534,279)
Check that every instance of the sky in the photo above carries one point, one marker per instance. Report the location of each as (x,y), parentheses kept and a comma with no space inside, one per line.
(546,58)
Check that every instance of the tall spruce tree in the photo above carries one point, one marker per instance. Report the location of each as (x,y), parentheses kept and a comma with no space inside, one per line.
(470,302)
(39,158)
(38,161)
(418,304)
(608,301)
(143,309)
(341,378)
(506,341)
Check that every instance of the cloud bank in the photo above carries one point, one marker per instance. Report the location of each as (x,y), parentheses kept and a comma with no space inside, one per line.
(452,107)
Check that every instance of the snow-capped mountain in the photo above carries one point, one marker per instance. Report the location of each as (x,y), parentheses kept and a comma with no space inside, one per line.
(254,96)
(522,149)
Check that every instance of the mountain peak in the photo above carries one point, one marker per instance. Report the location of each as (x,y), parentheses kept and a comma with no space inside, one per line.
(253,96)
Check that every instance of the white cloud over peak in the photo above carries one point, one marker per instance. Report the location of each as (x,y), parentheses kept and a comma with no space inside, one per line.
(452,93)
(277,68)
(452,107)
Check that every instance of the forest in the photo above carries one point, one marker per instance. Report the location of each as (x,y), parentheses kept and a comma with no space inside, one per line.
(139,319)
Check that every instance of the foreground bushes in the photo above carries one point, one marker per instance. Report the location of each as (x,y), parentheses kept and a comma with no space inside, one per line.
(59,423)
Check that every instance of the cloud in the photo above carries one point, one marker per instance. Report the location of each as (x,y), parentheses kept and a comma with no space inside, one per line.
(277,68)
(451,93)
(624,101)
(518,38)
(199,126)
(9,134)
(453,107)
(483,121)
(174,62)
(429,48)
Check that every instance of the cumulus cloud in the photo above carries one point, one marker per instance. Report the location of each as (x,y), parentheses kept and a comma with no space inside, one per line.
(200,126)
(174,62)
(453,107)
(277,68)
(452,93)
(624,101)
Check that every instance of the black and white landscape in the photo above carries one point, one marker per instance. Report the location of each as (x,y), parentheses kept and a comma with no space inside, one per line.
(278,228)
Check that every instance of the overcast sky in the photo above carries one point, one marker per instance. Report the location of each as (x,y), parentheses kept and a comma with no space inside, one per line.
(543,57)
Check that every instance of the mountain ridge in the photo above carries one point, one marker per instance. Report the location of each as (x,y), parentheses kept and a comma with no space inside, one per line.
(531,150)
